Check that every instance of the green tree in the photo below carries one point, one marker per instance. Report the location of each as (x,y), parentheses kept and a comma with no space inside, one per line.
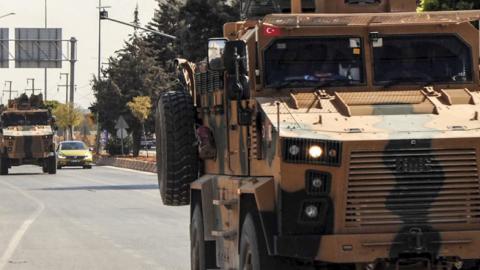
(167,20)
(201,20)
(436,5)
(51,104)
(132,72)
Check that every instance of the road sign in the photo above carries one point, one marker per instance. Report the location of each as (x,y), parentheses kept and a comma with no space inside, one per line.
(122,133)
(38,48)
(121,123)
(4,48)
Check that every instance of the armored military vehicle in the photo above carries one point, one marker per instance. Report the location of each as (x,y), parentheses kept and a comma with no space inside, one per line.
(330,134)
(26,135)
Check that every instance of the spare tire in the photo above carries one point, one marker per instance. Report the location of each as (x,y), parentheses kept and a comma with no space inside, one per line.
(177,162)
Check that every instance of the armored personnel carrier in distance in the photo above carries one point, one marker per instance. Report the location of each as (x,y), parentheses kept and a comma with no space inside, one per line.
(26,135)
(329,134)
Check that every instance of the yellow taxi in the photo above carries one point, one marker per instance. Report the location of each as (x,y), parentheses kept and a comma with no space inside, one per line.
(74,153)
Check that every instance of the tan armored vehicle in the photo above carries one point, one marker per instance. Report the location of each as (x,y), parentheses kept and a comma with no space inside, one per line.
(336,135)
(26,135)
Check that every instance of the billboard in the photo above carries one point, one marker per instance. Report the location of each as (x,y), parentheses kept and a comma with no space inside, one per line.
(4,48)
(38,48)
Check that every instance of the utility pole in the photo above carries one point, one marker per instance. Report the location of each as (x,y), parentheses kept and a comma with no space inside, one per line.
(101,9)
(45,71)
(73,60)
(66,85)
(9,91)
(33,89)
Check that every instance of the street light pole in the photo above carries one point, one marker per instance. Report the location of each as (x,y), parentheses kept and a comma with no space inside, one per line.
(45,71)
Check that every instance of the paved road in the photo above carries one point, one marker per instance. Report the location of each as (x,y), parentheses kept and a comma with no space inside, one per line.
(103,218)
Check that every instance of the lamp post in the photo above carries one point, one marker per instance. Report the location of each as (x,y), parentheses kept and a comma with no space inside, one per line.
(45,70)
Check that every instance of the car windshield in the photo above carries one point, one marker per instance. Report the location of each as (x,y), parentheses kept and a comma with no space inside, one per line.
(25,119)
(334,61)
(73,146)
(421,59)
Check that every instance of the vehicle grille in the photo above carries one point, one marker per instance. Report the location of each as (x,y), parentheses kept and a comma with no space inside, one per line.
(75,157)
(415,186)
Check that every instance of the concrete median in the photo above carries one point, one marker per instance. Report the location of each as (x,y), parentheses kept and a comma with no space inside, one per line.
(128,163)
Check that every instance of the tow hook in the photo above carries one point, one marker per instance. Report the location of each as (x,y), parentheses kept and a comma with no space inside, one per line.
(417,237)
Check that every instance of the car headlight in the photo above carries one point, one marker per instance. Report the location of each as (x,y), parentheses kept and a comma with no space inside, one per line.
(60,155)
(315,151)
(311,151)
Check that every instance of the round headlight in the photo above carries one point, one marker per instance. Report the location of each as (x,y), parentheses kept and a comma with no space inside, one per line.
(311,211)
(294,150)
(317,183)
(315,151)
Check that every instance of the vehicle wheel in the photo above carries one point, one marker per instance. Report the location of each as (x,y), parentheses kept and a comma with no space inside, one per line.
(4,166)
(59,167)
(87,167)
(202,253)
(253,249)
(52,165)
(177,163)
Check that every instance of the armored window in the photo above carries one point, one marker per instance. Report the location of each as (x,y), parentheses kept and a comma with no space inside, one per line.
(422,59)
(314,62)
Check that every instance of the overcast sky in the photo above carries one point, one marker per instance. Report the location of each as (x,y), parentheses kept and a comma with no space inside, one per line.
(79,19)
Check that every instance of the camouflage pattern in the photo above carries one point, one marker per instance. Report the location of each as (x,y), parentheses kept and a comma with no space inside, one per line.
(400,180)
(24,143)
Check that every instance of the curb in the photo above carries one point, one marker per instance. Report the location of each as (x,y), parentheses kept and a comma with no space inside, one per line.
(126,163)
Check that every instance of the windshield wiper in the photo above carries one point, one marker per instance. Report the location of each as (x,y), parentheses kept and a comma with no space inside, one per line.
(423,81)
(293,82)
(307,82)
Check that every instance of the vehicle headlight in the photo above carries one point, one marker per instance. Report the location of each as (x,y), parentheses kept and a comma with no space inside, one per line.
(315,151)
(294,150)
(60,155)
(311,211)
(311,151)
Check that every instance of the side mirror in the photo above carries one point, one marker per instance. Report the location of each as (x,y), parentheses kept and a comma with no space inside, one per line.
(235,56)
(216,49)
(236,65)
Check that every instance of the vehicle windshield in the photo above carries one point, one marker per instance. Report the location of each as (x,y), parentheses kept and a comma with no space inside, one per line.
(25,119)
(421,59)
(73,146)
(336,61)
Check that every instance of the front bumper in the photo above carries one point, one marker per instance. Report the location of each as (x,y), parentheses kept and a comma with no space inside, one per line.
(74,162)
(366,248)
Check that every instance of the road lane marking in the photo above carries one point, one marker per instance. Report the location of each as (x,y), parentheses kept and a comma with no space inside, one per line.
(18,236)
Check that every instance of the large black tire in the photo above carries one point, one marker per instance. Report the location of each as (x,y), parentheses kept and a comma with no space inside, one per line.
(177,162)
(253,249)
(202,253)
(4,166)
(52,165)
